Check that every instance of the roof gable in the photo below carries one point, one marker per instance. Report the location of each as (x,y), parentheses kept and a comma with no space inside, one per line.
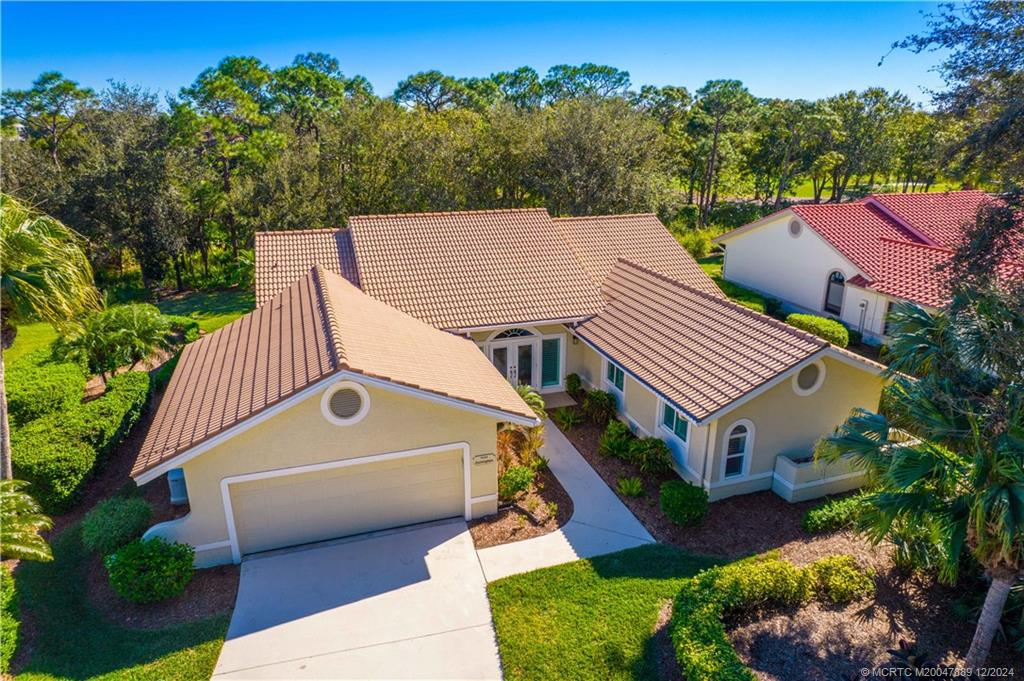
(854,229)
(939,216)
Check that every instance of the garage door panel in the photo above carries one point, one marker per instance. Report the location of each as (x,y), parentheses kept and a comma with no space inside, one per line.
(308,507)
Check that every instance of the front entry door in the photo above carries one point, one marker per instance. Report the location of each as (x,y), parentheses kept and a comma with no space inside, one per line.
(514,360)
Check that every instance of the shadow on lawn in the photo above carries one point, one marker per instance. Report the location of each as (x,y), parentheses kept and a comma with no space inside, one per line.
(68,638)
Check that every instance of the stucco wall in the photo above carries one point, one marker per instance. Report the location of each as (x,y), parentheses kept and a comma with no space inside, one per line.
(792,269)
(570,353)
(301,435)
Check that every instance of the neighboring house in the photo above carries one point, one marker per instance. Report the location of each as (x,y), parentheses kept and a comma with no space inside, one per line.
(852,261)
(364,390)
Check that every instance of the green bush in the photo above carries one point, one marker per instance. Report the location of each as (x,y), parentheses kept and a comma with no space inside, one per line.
(823,327)
(515,480)
(37,386)
(567,418)
(833,515)
(651,455)
(856,337)
(616,440)
(600,406)
(9,623)
(574,386)
(744,296)
(837,579)
(150,570)
(630,487)
(118,336)
(186,326)
(162,376)
(115,522)
(54,466)
(696,241)
(683,503)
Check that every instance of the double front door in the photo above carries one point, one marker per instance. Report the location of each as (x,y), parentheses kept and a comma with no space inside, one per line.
(514,359)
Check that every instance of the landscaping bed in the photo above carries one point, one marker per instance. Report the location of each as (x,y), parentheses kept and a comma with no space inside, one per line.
(529,516)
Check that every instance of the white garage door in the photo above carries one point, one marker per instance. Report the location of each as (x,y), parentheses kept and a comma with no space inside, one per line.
(309,507)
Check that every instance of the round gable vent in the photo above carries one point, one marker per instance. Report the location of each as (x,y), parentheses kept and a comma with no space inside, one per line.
(795,228)
(809,379)
(345,403)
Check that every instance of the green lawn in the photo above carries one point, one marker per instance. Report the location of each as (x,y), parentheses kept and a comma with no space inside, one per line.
(30,337)
(712,265)
(74,641)
(213,309)
(591,618)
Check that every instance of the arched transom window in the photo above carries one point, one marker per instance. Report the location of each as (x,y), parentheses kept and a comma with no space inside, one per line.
(834,293)
(513,333)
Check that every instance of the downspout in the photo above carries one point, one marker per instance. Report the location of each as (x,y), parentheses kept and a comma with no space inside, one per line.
(863,315)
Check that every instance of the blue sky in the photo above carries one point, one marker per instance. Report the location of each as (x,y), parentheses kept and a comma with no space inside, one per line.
(798,49)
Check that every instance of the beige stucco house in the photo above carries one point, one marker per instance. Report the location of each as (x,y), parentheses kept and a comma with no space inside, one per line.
(364,391)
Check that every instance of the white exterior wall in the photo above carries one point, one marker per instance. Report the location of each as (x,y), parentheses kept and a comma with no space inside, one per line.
(865,310)
(793,269)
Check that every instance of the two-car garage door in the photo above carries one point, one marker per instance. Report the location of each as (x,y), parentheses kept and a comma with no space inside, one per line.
(297,508)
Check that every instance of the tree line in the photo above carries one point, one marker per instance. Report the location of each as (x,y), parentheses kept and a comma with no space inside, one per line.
(181,186)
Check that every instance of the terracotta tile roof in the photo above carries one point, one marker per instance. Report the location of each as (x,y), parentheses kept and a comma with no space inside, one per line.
(284,257)
(599,241)
(699,351)
(939,216)
(854,230)
(319,326)
(472,268)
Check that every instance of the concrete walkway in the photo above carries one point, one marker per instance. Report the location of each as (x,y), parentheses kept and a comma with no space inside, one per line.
(600,523)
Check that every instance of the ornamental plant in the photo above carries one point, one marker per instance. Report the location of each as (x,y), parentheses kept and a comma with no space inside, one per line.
(150,570)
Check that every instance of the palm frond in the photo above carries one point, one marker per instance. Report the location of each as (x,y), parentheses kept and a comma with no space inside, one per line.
(21,521)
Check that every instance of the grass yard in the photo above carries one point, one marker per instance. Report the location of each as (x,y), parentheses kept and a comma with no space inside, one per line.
(591,618)
(213,309)
(30,338)
(712,266)
(72,640)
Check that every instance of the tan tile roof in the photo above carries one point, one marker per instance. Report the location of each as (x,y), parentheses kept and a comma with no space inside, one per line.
(319,326)
(599,241)
(284,257)
(473,268)
(699,351)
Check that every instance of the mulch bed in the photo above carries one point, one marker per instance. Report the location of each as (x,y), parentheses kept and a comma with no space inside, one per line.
(527,517)
(816,641)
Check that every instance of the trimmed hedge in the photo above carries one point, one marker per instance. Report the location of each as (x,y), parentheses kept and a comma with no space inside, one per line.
(823,327)
(37,386)
(833,515)
(698,634)
(114,522)
(57,453)
(151,570)
(682,502)
(9,623)
(837,579)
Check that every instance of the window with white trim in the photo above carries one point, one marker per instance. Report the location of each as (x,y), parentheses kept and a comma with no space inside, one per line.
(614,375)
(674,422)
(737,447)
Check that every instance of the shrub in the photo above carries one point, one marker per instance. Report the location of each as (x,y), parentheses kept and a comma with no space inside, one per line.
(115,522)
(567,418)
(146,571)
(630,487)
(744,296)
(162,376)
(600,406)
(515,480)
(651,455)
(772,307)
(54,466)
(838,580)
(616,440)
(696,241)
(574,386)
(186,326)
(829,329)
(9,624)
(539,462)
(37,386)
(833,515)
(856,337)
(683,503)
(122,335)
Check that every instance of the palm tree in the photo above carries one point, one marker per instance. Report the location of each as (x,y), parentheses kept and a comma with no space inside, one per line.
(21,522)
(948,453)
(44,276)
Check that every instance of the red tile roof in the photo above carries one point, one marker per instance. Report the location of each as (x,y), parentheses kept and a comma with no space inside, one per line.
(854,230)
(939,216)
(701,352)
(284,257)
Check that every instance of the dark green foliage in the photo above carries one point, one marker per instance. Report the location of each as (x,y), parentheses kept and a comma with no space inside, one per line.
(651,455)
(773,307)
(616,440)
(57,453)
(823,327)
(683,503)
(37,386)
(630,487)
(600,406)
(114,522)
(567,418)
(151,570)
(119,336)
(574,386)
(515,480)
(162,376)
(9,623)
(186,326)
(856,337)
(838,580)
(832,515)
(744,296)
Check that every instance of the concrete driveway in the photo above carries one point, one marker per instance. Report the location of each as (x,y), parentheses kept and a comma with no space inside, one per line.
(409,604)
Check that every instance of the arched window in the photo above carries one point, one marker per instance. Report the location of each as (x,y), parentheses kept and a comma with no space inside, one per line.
(834,292)
(513,333)
(738,442)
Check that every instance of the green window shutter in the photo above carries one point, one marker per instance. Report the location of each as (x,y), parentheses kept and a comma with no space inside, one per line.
(551,360)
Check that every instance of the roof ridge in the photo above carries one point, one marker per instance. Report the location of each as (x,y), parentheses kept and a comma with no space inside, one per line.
(782,326)
(319,230)
(483,211)
(330,316)
(927,194)
(604,217)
